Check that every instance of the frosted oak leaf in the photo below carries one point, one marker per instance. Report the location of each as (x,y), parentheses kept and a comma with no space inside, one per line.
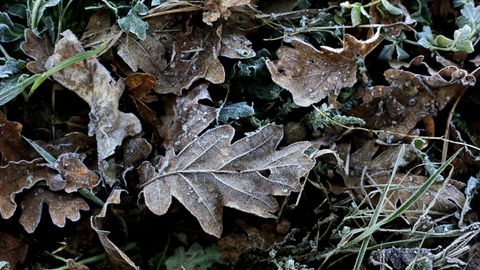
(210,173)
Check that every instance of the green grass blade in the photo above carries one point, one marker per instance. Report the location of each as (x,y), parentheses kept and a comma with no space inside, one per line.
(10,93)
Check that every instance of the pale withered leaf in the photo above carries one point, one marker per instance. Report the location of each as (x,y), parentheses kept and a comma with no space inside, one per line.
(116,256)
(37,48)
(311,74)
(214,9)
(194,56)
(187,119)
(235,45)
(210,173)
(61,206)
(94,84)
(148,54)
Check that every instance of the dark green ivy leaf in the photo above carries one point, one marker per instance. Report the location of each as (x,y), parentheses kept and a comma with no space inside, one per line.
(10,67)
(132,23)
(234,111)
(391,8)
(9,31)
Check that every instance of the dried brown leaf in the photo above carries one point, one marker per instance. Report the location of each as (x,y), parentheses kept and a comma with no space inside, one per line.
(75,174)
(72,265)
(235,45)
(94,84)
(148,55)
(13,249)
(187,119)
(210,173)
(410,98)
(60,207)
(116,256)
(214,9)
(311,74)
(17,176)
(139,85)
(37,48)
(136,150)
(194,56)
(11,142)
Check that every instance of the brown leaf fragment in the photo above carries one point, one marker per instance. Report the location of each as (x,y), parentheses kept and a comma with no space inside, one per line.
(17,176)
(72,265)
(94,84)
(12,249)
(60,207)
(148,55)
(11,142)
(136,150)
(76,175)
(187,119)
(235,45)
(450,199)
(214,9)
(116,256)
(71,142)
(210,173)
(37,48)
(311,74)
(194,56)
(410,98)
(100,29)
(139,85)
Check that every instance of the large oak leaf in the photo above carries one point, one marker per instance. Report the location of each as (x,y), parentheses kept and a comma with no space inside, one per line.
(210,173)
(311,74)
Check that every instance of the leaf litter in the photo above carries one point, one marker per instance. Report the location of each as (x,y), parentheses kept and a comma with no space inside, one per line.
(176,119)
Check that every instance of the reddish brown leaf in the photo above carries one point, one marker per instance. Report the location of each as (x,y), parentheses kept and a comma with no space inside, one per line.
(37,48)
(116,256)
(311,74)
(12,249)
(210,173)
(75,174)
(60,207)
(11,142)
(188,118)
(139,85)
(93,83)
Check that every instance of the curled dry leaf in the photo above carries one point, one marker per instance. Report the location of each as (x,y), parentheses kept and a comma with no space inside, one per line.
(187,119)
(60,207)
(214,9)
(12,249)
(194,56)
(17,176)
(116,256)
(210,173)
(37,48)
(75,174)
(410,98)
(311,74)
(94,84)
(139,85)
(450,199)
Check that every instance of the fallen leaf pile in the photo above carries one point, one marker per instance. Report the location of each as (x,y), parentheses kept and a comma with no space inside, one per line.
(239,134)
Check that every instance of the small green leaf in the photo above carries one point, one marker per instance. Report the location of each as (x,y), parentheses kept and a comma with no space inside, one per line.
(470,16)
(401,53)
(356,14)
(387,52)
(195,258)
(157,2)
(10,67)
(443,41)
(132,23)
(13,86)
(391,8)
(235,111)
(9,31)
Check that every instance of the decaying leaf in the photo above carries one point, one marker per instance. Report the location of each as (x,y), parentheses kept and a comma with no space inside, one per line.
(219,8)
(210,173)
(60,207)
(311,74)
(17,176)
(74,172)
(136,150)
(11,142)
(13,249)
(148,55)
(94,84)
(194,56)
(116,256)
(450,199)
(410,98)
(187,119)
(37,48)
(72,265)
(139,85)
(235,45)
